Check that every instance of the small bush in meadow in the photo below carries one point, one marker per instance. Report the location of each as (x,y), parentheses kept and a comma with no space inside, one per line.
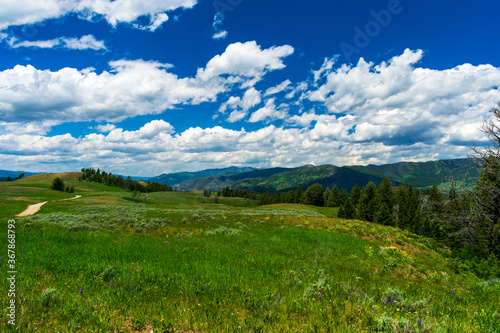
(108,273)
(241,225)
(49,296)
(318,288)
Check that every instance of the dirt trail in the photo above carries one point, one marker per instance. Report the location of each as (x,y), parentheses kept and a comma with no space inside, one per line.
(32,209)
(76,197)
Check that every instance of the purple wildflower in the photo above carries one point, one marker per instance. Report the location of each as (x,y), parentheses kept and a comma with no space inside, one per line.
(278,299)
(454,292)
(205,287)
(131,288)
(418,322)
(80,291)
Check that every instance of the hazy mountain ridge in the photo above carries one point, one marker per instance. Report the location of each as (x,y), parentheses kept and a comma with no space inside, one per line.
(179,177)
(4,174)
(420,174)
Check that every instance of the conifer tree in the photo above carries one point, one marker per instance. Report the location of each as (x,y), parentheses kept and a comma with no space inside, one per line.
(402,204)
(385,193)
(384,215)
(299,195)
(58,184)
(343,197)
(335,196)
(355,195)
(346,211)
(367,206)
(314,195)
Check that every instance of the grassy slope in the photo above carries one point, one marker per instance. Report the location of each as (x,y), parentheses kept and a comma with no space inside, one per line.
(281,267)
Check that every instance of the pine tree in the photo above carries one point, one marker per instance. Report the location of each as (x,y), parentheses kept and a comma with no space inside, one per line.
(385,192)
(299,195)
(402,203)
(57,184)
(314,195)
(367,206)
(355,195)
(348,210)
(384,215)
(334,197)
(343,197)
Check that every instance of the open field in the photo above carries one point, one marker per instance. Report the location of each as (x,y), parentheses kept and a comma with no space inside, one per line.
(178,262)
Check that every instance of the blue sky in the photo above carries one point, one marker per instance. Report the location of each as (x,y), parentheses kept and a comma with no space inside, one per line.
(145,88)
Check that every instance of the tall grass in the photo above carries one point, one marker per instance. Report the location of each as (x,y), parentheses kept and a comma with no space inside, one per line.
(180,263)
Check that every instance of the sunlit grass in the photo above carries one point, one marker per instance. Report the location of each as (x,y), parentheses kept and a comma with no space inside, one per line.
(177,262)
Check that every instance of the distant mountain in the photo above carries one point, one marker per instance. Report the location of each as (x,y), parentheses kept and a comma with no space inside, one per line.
(179,177)
(420,174)
(282,179)
(4,174)
(218,182)
(425,174)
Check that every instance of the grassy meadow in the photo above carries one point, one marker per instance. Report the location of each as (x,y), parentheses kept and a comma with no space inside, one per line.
(178,262)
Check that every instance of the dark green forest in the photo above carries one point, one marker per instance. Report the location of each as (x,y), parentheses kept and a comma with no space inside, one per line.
(96,176)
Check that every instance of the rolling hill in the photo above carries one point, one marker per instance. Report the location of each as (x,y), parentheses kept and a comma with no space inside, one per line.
(425,174)
(282,179)
(179,177)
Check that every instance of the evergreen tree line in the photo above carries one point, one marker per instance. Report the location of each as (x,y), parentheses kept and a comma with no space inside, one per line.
(96,176)
(400,206)
(229,192)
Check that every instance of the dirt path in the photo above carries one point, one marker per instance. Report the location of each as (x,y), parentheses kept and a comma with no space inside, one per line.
(76,197)
(32,209)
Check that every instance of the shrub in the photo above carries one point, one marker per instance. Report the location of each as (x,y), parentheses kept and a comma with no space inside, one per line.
(108,273)
(49,296)
(320,287)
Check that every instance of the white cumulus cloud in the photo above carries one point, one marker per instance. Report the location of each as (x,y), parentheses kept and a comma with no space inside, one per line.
(130,88)
(246,60)
(22,12)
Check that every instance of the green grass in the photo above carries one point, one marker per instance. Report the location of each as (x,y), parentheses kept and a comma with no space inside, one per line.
(177,262)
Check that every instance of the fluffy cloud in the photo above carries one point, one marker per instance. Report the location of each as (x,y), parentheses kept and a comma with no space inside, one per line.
(240,106)
(245,60)
(104,128)
(82,43)
(156,148)
(130,88)
(398,103)
(367,113)
(269,112)
(285,85)
(21,12)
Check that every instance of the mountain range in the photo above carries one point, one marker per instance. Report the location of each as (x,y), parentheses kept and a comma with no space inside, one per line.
(420,174)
